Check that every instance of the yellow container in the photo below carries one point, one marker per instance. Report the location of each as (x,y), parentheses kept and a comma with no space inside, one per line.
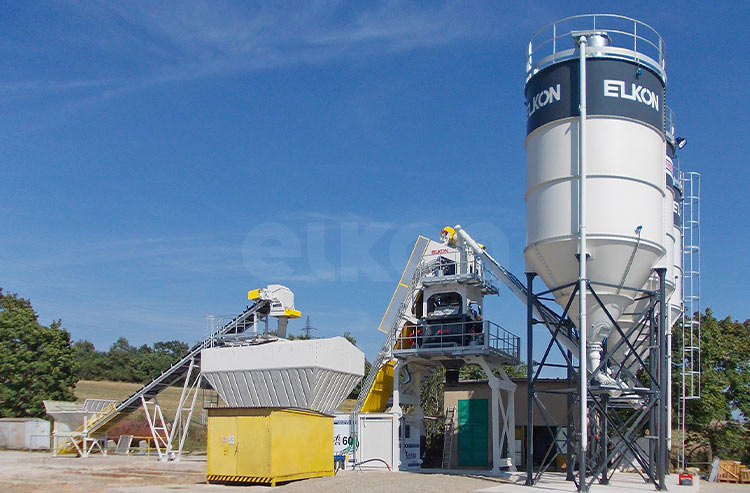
(268,446)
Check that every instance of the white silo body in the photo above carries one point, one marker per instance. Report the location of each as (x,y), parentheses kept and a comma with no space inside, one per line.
(674,185)
(625,149)
(672,262)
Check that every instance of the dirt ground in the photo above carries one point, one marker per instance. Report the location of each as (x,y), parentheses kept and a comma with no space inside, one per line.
(40,472)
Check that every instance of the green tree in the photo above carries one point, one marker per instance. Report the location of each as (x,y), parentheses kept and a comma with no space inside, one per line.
(126,363)
(349,337)
(725,380)
(176,349)
(36,362)
(91,363)
(301,337)
(119,361)
(475,372)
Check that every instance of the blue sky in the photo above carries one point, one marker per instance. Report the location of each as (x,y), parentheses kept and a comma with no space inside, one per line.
(152,151)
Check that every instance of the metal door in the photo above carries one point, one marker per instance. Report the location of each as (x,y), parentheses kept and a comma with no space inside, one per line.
(473,433)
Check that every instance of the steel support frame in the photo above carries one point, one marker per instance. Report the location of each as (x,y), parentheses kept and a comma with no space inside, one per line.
(604,416)
(503,439)
(158,427)
(184,414)
(83,444)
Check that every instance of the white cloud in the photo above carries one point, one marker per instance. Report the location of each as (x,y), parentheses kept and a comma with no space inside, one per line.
(141,44)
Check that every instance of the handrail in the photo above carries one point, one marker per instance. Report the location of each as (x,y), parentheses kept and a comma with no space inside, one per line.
(631,39)
(471,269)
(467,334)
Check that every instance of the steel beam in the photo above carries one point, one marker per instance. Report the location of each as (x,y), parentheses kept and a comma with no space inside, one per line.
(530,378)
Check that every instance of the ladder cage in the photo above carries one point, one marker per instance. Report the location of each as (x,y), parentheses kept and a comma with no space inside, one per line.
(690,343)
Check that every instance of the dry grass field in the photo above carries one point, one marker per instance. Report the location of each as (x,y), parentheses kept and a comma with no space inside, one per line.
(118,391)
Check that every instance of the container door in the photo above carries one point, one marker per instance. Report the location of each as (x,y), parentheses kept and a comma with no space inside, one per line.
(473,435)
(254,446)
(222,446)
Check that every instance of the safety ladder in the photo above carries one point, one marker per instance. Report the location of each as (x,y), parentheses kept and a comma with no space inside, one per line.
(448,438)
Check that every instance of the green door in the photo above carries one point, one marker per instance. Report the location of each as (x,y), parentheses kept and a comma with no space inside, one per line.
(472,432)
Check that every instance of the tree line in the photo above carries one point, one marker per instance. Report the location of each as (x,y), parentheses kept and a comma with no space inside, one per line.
(126,363)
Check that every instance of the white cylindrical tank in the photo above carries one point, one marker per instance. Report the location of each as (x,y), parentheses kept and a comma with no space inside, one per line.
(626,186)
(672,261)
(674,183)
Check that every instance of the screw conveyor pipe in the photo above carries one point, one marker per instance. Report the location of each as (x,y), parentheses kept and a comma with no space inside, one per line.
(516,287)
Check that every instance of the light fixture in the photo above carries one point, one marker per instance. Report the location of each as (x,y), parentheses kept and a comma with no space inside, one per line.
(681,142)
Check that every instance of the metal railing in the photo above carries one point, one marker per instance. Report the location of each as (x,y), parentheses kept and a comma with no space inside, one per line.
(630,40)
(669,120)
(459,336)
(471,270)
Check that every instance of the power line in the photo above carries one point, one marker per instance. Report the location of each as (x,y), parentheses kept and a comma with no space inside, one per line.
(308,328)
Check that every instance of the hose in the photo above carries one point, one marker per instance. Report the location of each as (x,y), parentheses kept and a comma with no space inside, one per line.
(370,460)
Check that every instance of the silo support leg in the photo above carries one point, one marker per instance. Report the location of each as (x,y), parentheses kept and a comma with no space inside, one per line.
(498,412)
(664,375)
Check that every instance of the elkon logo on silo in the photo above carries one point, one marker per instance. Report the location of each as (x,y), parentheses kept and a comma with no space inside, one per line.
(543,98)
(616,89)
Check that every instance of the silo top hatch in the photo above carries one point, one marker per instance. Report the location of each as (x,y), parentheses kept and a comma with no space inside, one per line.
(620,37)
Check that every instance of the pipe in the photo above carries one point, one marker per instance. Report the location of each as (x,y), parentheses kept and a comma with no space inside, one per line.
(396,414)
(569,467)
(663,379)
(515,286)
(530,378)
(582,289)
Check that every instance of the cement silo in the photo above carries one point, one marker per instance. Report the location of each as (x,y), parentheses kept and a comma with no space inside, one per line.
(624,146)
(599,222)
(672,261)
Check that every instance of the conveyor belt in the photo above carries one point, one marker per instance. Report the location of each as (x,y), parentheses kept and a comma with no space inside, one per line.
(176,372)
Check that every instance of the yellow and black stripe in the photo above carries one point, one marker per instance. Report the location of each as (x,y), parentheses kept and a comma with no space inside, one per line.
(217,478)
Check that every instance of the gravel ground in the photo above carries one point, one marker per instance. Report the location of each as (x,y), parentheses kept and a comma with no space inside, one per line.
(36,471)
(40,472)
